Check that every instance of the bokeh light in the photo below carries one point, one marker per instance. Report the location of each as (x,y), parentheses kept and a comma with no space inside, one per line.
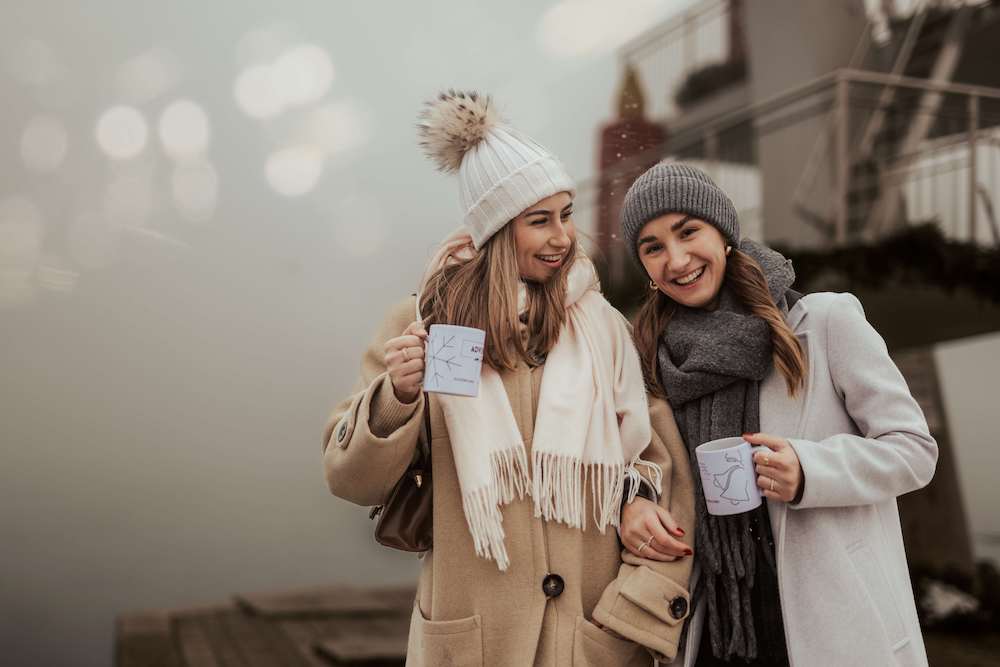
(337,128)
(304,74)
(122,132)
(184,130)
(299,76)
(147,76)
(44,144)
(295,171)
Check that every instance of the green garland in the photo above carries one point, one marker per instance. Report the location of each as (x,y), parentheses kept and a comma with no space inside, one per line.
(918,256)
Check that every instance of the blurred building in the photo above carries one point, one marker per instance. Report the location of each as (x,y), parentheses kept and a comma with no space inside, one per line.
(844,131)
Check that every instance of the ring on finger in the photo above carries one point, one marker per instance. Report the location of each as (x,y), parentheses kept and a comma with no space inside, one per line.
(645,544)
(772,484)
(767,460)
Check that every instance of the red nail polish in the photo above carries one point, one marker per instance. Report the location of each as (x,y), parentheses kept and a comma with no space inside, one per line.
(688,552)
(680,531)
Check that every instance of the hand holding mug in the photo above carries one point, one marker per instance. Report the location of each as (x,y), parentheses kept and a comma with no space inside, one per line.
(404,360)
(648,530)
(779,473)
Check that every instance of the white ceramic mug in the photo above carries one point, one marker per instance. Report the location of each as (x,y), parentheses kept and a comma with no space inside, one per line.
(728,478)
(454,359)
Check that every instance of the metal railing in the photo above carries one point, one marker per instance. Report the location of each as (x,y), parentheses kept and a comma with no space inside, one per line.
(666,54)
(950,175)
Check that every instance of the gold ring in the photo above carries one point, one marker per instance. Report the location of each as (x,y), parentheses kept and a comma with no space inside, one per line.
(645,544)
(767,460)
(772,484)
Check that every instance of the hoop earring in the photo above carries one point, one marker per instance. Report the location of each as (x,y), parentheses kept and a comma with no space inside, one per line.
(653,285)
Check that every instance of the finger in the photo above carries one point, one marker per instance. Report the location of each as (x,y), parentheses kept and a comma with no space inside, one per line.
(409,340)
(664,542)
(668,522)
(765,483)
(771,495)
(416,329)
(653,554)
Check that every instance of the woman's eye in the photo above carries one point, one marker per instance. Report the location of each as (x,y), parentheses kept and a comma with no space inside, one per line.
(650,248)
(537,221)
(688,231)
(566,215)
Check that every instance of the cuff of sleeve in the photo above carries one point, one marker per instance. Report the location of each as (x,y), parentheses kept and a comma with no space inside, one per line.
(386,413)
(647,608)
(809,494)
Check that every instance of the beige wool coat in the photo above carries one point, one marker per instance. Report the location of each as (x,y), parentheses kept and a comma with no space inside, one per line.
(468,612)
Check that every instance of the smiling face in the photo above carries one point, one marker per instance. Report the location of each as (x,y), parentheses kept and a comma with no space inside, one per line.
(685,257)
(544,236)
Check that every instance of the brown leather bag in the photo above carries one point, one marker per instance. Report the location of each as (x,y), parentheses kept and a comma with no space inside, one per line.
(406,520)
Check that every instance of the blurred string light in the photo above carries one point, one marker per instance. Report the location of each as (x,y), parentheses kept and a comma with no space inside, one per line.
(21,236)
(299,76)
(121,132)
(184,130)
(195,188)
(296,170)
(44,144)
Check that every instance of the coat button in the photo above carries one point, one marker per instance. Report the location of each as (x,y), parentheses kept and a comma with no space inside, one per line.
(678,607)
(341,432)
(553,585)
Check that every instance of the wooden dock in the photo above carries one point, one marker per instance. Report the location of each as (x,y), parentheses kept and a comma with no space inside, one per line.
(330,626)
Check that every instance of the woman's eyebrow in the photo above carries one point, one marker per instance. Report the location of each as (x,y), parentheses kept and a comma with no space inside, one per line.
(680,223)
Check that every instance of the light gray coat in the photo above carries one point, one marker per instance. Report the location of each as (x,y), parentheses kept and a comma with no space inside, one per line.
(862,441)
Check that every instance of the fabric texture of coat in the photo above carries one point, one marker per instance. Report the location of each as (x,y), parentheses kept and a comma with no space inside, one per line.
(467,612)
(862,441)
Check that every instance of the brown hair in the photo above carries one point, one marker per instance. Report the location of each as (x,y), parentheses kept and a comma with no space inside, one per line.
(746,279)
(482,292)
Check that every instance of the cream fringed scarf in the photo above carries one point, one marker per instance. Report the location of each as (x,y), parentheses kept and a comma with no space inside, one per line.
(591,425)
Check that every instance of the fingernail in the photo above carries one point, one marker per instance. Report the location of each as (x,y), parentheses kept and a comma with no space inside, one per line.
(680,531)
(688,552)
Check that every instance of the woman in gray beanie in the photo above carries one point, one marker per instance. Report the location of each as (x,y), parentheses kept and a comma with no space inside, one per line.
(529,474)
(817,574)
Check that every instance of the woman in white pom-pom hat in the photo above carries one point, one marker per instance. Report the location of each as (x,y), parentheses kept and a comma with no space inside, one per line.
(529,476)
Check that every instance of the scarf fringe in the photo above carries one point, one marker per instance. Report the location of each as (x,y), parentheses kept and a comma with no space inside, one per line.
(509,479)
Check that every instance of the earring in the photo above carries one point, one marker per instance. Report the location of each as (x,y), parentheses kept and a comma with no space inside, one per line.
(729,250)
(653,285)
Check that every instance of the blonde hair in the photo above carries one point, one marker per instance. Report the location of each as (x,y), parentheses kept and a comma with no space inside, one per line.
(747,280)
(482,292)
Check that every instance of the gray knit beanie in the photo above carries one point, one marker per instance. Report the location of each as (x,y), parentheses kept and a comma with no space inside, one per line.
(674,187)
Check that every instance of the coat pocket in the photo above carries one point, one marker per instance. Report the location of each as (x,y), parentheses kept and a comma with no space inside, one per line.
(593,647)
(432,643)
(879,592)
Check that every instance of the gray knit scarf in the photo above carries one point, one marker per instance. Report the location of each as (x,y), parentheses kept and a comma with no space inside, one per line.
(711,365)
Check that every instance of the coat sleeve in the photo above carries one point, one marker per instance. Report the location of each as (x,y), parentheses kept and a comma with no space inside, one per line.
(895,453)
(370,438)
(649,600)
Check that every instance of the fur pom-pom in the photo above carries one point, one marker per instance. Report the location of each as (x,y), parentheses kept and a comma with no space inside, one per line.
(452,124)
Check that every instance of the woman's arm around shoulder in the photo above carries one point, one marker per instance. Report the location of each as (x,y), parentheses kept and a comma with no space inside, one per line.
(649,600)
(894,453)
(371,436)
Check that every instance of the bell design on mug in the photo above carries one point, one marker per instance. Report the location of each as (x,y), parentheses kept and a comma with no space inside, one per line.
(734,482)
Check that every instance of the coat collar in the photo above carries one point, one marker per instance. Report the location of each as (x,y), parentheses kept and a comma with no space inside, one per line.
(797,314)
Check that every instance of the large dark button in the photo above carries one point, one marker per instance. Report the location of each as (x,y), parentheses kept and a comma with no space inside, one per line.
(678,607)
(553,585)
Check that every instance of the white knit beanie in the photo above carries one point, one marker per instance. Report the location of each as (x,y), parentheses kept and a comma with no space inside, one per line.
(501,171)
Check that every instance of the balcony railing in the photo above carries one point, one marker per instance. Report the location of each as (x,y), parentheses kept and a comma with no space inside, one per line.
(800,174)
